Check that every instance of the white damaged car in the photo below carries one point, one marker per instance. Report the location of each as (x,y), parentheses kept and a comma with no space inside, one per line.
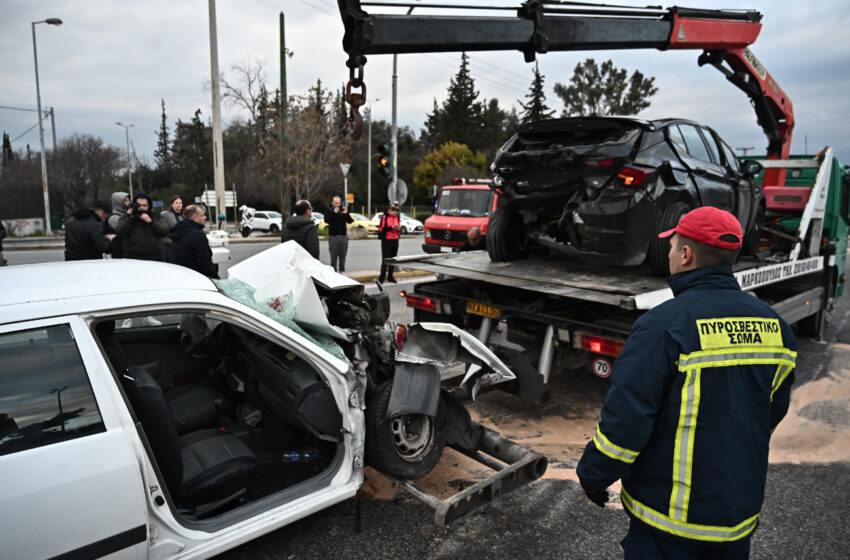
(149,412)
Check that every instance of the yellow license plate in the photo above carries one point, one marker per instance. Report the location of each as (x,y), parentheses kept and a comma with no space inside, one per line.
(483,309)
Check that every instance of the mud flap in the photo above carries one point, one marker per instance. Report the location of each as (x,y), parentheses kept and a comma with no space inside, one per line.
(515,466)
(416,390)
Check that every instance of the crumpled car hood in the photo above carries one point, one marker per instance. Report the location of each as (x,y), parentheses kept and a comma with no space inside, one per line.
(289,269)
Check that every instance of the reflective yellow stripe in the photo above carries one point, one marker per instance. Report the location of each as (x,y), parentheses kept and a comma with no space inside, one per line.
(713,533)
(604,445)
(737,357)
(683,454)
(782,372)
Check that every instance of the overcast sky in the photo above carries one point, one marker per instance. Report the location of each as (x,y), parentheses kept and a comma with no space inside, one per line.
(113,60)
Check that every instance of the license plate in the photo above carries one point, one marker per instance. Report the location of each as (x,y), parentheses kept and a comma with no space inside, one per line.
(444,249)
(483,309)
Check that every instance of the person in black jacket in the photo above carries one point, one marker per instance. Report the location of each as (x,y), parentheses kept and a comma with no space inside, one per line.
(189,245)
(338,220)
(301,228)
(85,238)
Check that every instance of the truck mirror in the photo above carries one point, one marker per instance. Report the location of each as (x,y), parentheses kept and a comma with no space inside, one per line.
(751,167)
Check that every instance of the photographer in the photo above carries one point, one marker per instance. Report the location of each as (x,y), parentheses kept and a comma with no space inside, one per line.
(140,233)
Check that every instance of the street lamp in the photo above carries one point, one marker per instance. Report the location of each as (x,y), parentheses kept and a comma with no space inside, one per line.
(48,229)
(129,161)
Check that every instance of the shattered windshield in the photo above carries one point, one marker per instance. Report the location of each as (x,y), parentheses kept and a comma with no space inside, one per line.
(280,309)
(473,203)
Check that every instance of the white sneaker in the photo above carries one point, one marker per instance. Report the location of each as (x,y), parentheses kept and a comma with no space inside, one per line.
(151,322)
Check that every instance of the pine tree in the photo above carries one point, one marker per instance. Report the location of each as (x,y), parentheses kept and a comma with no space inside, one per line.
(536,109)
(162,153)
(602,90)
(461,116)
(8,153)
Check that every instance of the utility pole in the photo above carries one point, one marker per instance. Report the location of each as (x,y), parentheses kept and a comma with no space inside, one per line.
(394,184)
(218,149)
(47,228)
(129,159)
(369,163)
(53,126)
(284,102)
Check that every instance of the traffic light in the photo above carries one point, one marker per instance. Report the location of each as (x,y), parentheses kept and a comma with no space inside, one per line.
(385,164)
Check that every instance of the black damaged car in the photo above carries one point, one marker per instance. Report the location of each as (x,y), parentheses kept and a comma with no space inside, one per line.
(602,188)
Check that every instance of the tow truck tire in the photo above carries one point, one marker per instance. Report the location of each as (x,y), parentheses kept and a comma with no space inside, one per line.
(245,231)
(506,236)
(406,447)
(660,248)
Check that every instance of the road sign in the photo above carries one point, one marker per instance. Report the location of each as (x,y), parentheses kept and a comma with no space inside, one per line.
(344,167)
(350,198)
(208,198)
(397,194)
(602,367)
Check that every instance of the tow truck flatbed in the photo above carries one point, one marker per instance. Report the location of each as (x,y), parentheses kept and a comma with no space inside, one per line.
(626,288)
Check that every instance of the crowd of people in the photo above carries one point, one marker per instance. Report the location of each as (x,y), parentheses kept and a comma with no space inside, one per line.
(130,229)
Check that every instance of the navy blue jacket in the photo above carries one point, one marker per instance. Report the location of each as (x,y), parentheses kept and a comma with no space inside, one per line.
(190,248)
(695,394)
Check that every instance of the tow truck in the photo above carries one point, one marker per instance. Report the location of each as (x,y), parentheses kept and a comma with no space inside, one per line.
(542,314)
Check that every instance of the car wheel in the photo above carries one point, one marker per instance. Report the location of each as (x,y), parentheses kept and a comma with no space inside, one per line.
(245,231)
(752,239)
(660,248)
(274,229)
(506,236)
(406,446)
(403,230)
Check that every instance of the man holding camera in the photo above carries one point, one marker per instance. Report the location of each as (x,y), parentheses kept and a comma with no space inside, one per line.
(140,233)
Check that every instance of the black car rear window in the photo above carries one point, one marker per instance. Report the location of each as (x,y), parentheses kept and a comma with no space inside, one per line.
(696,146)
(575,133)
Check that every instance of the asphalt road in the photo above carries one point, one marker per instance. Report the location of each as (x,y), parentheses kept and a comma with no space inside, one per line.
(363,254)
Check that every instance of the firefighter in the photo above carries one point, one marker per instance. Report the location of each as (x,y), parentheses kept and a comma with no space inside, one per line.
(698,389)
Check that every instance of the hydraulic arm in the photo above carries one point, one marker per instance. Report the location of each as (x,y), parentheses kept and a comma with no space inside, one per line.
(540,26)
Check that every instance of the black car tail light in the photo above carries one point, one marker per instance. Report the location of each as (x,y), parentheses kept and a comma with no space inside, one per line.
(632,177)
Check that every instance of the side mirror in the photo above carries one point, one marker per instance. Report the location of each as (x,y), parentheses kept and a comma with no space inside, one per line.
(751,167)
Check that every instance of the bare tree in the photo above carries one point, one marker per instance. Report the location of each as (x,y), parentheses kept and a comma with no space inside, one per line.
(247,88)
(315,148)
(83,170)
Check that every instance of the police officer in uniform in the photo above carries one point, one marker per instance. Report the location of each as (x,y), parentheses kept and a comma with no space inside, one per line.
(695,394)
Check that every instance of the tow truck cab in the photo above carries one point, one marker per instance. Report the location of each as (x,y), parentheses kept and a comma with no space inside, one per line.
(460,206)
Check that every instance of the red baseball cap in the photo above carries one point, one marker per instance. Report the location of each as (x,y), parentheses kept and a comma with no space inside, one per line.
(707,225)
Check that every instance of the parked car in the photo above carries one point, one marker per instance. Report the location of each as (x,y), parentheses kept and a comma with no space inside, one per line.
(602,188)
(259,220)
(360,221)
(244,405)
(408,224)
(267,220)
(459,207)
